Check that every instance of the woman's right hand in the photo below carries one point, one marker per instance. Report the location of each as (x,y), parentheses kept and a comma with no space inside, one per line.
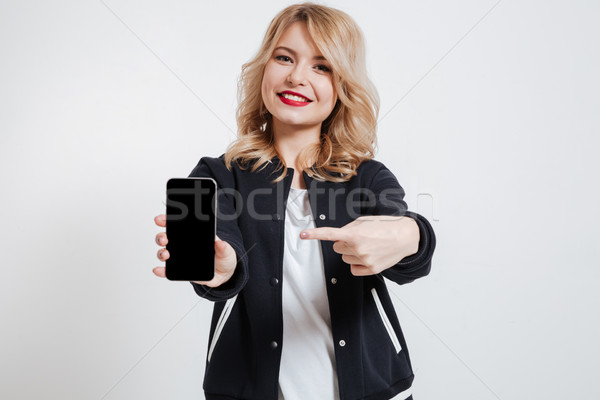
(225,257)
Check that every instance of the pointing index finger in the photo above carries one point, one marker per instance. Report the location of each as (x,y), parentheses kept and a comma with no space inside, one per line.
(325,233)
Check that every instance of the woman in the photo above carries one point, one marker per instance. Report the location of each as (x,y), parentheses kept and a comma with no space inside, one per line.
(309,224)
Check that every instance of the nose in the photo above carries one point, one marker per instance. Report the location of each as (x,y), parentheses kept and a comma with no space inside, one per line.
(297,76)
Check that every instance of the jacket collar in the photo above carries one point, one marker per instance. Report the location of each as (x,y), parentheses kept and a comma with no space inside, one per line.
(274,162)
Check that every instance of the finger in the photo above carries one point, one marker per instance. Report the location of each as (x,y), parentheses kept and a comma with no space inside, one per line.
(342,247)
(163,254)
(360,270)
(223,249)
(160,272)
(161,239)
(350,259)
(220,248)
(161,220)
(325,233)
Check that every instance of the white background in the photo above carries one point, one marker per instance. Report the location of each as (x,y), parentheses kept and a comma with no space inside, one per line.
(490,108)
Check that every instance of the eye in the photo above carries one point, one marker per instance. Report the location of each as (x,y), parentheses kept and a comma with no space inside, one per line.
(323,68)
(283,58)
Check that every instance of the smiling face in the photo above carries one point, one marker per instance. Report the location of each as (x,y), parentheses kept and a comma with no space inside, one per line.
(297,86)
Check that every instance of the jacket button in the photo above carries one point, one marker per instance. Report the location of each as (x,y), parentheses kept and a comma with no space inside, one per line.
(274,345)
(322,216)
(333,280)
(342,343)
(274,281)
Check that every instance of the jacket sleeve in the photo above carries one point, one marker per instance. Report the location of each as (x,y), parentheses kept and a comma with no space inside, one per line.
(389,200)
(227,228)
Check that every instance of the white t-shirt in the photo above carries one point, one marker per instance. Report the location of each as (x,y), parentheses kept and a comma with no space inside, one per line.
(307,368)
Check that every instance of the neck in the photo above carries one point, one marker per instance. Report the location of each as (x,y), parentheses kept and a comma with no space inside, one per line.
(290,140)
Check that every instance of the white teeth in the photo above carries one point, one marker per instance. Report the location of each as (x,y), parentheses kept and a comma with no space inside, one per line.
(295,98)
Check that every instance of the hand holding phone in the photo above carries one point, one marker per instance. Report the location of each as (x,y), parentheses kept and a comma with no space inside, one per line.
(225,257)
(193,249)
(191,227)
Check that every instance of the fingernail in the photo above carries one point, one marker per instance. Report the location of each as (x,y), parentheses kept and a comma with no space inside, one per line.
(304,235)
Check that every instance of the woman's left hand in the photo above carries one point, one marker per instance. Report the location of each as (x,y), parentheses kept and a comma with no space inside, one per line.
(371,244)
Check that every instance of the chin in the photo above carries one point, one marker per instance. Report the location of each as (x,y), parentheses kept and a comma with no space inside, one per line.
(295,121)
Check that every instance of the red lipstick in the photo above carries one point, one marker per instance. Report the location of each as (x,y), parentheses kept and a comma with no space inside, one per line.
(291,102)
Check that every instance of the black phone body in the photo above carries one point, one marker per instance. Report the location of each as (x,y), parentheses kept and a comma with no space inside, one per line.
(191,229)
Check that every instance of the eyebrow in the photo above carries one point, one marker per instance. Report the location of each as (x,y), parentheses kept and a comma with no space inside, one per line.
(294,53)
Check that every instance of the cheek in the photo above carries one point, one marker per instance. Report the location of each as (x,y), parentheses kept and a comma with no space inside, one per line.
(328,94)
(327,90)
(269,79)
(265,88)
(333,97)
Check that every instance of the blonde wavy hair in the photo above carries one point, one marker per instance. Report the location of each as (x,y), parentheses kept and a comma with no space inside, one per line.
(348,134)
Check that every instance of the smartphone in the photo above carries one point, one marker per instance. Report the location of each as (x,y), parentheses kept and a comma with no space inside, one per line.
(191,229)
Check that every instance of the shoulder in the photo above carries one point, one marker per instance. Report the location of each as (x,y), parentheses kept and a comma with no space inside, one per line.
(370,166)
(372,171)
(216,162)
(214,167)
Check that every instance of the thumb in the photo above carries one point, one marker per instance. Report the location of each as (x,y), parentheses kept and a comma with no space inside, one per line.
(222,248)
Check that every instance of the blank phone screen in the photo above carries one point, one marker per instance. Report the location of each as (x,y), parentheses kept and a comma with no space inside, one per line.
(191,229)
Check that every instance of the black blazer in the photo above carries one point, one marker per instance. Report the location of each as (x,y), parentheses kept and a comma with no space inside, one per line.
(245,341)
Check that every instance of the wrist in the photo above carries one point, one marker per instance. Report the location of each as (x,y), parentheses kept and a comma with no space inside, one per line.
(408,236)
